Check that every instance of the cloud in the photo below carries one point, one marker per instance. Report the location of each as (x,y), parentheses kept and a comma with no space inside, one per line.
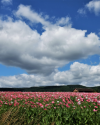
(99,33)
(64,21)
(28,13)
(24,80)
(92,6)
(23,47)
(79,73)
(82,11)
(6,2)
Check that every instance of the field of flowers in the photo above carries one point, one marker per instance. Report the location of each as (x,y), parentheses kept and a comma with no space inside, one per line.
(49,108)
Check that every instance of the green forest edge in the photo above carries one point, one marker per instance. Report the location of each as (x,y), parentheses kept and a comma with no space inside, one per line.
(68,88)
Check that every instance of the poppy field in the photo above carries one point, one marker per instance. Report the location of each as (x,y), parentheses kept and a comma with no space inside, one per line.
(49,108)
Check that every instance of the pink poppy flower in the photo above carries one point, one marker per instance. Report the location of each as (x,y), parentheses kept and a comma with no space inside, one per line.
(95,106)
(67,106)
(52,102)
(95,110)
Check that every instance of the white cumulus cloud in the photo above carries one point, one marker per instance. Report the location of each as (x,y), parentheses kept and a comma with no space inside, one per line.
(23,47)
(41,54)
(79,73)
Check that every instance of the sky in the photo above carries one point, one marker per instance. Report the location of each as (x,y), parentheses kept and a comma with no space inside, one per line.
(49,43)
